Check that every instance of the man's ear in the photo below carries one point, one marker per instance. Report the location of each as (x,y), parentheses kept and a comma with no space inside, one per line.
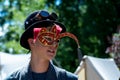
(31,41)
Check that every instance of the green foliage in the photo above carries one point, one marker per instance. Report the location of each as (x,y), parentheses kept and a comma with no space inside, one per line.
(12,23)
(99,21)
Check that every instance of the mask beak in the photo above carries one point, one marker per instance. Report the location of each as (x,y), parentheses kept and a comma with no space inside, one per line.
(67,34)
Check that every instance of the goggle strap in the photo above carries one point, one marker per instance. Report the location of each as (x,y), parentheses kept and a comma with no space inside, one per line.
(38,16)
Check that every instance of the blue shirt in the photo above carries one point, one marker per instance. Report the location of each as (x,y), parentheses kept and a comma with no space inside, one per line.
(39,76)
(53,73)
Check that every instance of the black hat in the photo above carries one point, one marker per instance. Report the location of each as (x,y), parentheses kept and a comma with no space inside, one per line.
(38,19)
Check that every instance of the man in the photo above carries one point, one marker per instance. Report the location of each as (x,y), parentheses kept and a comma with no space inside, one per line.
(41,37)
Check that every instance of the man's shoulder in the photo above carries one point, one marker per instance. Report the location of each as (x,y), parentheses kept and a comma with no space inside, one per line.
(17,74)
(71,76)
(66,74)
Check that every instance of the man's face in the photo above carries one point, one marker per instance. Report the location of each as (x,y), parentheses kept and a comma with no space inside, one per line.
(48,38)
(46,42)
(45,52)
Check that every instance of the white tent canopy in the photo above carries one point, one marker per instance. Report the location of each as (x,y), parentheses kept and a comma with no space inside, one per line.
(10,62)
(92,68)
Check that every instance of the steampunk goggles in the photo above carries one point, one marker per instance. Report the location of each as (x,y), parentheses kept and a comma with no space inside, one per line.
(43,15)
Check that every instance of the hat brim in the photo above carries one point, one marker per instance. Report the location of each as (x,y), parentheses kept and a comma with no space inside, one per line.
(28,33)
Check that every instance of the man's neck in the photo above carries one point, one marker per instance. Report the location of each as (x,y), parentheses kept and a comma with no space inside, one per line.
(39,65)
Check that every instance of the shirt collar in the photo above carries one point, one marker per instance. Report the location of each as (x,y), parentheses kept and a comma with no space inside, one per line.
(51,73)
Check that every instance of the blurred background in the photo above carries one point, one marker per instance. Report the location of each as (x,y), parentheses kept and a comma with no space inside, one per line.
(94,22)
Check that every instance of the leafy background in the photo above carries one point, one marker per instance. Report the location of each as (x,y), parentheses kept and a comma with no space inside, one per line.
(92,21)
